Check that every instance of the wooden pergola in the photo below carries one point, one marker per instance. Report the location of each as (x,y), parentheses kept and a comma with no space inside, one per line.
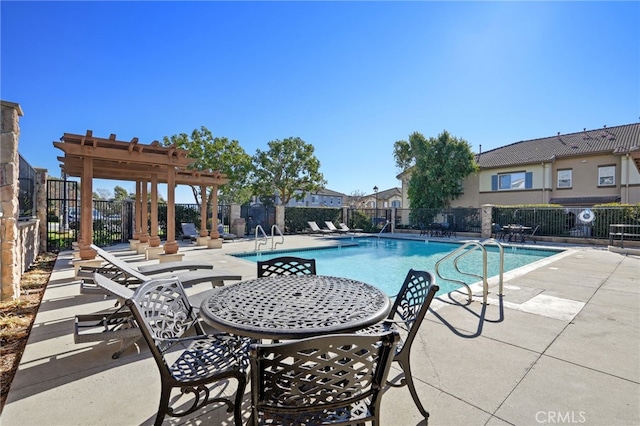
(89,157)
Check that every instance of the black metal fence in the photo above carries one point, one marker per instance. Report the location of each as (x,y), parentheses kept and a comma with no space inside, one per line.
(189,213)
(27,197)
(458,219)
(574,222)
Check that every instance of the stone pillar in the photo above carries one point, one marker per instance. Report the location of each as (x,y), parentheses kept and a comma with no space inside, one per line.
(487,214)
(238,225)
(279,219)
(9,208)
(394,211)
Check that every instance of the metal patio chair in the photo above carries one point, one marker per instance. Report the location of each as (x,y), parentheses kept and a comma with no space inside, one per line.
(286,265)
(531,235)
(332,379)
(164,315)
(409,308)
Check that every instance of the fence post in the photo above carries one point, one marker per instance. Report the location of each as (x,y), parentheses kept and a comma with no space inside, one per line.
(487,214)
(41,207)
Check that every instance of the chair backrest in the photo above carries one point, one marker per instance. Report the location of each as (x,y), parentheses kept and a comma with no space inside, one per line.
(314,226)
(189,229)
(412,303)
(344,227)
(302,380)
(330,225)
(163,312)
(534,231)
(119,264)
(286,265)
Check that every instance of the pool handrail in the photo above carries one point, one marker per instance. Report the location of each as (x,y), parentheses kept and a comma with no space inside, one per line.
(263,241)
(383,228)
(476,245)
(275,243)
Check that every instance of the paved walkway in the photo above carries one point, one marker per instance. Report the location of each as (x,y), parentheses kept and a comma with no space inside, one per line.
(561,347)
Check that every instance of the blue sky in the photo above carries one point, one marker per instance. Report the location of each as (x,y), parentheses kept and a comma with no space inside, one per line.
(351,78)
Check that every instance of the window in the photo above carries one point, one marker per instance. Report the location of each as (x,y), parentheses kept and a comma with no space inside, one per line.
(395,203)
(606,175)
(511,181)
(564,179)
(339,201)
(314,199)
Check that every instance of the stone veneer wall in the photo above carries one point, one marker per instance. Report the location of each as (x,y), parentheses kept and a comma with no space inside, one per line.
(9,190)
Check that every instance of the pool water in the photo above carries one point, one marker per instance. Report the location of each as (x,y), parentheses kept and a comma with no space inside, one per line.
(385,262)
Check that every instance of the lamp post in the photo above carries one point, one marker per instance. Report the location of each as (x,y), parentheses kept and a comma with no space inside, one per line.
(375,190)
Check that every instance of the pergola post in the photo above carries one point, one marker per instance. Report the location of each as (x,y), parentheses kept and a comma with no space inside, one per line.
(154,239)
(138,208)
(86,210)
(214,212)
(203,211)
(171,246)
(144,214)
(215,241)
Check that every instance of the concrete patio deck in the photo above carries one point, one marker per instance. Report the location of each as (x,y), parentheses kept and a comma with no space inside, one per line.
(561,347)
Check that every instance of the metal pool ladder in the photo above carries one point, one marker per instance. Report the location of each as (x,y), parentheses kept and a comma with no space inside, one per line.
(274,243)
(460,252)
(263,240)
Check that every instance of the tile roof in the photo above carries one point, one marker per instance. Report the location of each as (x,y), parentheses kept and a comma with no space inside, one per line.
(613,140)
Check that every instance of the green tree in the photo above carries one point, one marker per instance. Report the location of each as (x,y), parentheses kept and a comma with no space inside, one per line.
(120,194)
(438,166)
(289,169)
(102,194)
(217,154)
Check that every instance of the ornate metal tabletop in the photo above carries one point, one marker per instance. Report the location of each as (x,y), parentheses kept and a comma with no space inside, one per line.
(294,306)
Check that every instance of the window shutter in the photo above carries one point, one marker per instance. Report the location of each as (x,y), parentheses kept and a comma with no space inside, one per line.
(494,182)
(528,180)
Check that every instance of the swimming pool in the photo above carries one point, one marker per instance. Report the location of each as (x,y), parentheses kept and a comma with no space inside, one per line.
(385,262)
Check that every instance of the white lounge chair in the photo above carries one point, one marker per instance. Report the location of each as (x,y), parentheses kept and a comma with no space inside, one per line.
(225,235)
(333,228)
(315,229)
(345,228)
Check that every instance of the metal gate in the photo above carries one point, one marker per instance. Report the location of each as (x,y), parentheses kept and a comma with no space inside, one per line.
(112,220)
(63,205)
(258,215)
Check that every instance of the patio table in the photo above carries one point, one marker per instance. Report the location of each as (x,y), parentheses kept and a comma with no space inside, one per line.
(294,306)
(516,231)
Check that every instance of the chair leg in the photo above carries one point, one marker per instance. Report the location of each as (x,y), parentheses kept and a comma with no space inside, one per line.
(165,394)
(237,408)
(406,367)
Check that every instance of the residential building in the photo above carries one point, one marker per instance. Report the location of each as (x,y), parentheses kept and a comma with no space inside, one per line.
(577,169)
(322,198)
(385,199)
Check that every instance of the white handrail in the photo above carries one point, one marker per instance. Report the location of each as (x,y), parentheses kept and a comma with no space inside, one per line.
(485,284)
(383,228)
(274,243)
(264,240)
